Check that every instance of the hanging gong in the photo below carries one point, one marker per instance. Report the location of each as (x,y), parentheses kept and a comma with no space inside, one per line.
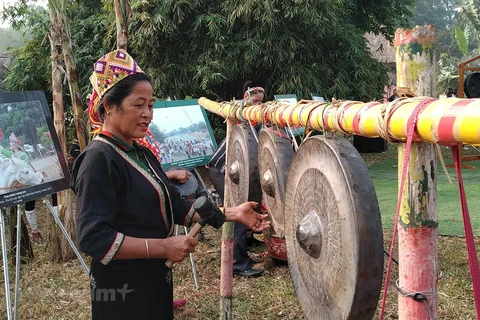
(472,85)
(275,154)
(187,188)
(333,231)
(242,166)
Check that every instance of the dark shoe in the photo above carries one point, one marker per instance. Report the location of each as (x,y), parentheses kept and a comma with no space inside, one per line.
(255,260)
(179,303)
(249,273)
(253,242)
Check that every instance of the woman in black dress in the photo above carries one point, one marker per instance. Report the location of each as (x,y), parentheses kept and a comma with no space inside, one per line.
(126,207)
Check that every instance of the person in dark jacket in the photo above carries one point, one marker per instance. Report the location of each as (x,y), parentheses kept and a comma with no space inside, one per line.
(75,149)
(242,263)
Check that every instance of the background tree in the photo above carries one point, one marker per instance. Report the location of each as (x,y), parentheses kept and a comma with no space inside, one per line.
(10,38)
(444,14)
(209,48)
(31,66)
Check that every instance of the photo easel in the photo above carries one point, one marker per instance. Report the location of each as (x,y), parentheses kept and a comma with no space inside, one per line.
(31,175)
(6,275)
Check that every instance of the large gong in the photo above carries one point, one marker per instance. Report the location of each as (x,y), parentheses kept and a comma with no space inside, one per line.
(333,231)
(242,166)
(275,154)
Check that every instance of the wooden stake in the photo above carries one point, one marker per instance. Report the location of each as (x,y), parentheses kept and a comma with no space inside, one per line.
(226,269)
(418,221)
(417,232)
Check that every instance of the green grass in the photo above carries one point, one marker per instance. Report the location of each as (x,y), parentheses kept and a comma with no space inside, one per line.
(60,291)
(385,178)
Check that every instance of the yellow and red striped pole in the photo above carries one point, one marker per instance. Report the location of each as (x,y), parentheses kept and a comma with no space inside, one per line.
(446,121)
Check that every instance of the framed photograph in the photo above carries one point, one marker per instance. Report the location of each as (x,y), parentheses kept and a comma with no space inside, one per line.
(317,97)
(182,129)
(32,164)
(291,98)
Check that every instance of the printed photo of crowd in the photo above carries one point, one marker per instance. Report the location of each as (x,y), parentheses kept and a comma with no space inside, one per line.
(183,134)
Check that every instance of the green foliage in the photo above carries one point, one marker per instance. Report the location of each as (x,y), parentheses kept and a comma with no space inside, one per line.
(22,119)
(10,39)
(444,14)
(31,68)
(210,48)
(470,16)
(461,40)
(218,125)
(441,13)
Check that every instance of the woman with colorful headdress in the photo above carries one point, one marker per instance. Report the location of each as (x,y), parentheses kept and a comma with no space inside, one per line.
(126,207)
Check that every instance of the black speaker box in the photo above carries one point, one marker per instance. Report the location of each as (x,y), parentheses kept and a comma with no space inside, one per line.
(370,145)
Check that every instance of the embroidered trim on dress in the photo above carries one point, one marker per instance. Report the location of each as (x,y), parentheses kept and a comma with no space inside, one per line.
(113,249)
(170,232)
(152,180)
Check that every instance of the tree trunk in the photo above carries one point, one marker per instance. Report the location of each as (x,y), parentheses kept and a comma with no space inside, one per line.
(122,15)
(76,95)
(59,248)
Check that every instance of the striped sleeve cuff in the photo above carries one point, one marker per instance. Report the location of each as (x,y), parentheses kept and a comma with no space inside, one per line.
(189,217)
(113,249)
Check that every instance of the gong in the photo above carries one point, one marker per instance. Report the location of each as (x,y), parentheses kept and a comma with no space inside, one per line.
(242,166)
(187,188)
(333,231)
(472,85)
(275,154)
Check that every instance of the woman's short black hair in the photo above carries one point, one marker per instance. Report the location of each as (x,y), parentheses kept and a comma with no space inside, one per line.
(251,84)
(121,90)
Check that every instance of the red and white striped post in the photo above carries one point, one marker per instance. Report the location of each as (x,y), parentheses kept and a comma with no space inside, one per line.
(418,218)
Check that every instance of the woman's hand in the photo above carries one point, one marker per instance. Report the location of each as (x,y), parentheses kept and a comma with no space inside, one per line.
(179,247)
(180,175)
(246,215)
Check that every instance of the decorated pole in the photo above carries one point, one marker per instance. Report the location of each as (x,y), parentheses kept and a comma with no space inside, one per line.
(415,60)
(446,121)
(226,268)
(418,219)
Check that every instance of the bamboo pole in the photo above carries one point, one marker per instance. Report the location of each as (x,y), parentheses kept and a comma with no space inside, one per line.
(58,250)
(122,16)
(446,121)
(226,268)
(74,87)
(418,219)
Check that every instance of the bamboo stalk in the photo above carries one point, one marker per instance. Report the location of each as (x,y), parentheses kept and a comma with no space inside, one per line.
(226,268)
(73,85)
(55,37)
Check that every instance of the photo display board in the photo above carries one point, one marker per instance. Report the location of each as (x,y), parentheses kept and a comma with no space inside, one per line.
(291,98)
(32,164)
(182,130)
(317,97)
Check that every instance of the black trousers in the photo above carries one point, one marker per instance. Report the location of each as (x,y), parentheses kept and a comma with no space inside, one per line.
(241,260)
(30,205)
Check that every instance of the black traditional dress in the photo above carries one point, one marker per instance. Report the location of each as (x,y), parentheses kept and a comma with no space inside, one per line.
(119,195)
